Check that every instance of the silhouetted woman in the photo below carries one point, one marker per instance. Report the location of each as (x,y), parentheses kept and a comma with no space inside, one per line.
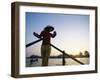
(45,47)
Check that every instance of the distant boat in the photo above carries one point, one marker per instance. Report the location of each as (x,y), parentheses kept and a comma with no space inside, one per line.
(33,58)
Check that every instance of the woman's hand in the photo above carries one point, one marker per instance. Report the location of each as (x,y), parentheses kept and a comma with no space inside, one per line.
(36,35)
(54,34)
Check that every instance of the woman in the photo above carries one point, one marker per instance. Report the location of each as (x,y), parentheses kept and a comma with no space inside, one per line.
(45,47)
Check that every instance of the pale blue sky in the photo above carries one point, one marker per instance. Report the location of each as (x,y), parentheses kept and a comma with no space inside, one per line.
(72,31)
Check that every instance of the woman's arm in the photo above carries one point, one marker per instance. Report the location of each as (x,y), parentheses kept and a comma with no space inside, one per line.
(54,34)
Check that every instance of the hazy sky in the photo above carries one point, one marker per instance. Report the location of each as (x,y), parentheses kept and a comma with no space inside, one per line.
(72,32)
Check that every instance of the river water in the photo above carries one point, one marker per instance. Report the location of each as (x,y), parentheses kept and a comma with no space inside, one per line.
(56,62)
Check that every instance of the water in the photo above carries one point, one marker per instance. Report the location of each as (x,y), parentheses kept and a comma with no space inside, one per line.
(56,62)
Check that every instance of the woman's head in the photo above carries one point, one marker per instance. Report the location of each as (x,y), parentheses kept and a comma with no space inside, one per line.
(49,28)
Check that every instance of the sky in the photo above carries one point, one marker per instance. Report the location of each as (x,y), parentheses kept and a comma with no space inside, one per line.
(72,32)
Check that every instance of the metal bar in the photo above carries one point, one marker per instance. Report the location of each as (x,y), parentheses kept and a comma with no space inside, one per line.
(65,54)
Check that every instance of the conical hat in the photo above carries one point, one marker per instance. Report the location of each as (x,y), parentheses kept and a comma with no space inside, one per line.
(49,28)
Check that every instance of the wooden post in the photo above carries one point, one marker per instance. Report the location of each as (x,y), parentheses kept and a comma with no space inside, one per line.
(63,59)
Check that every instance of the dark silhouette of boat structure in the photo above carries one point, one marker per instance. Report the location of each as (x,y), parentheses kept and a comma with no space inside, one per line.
(33,58)
(62,51)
